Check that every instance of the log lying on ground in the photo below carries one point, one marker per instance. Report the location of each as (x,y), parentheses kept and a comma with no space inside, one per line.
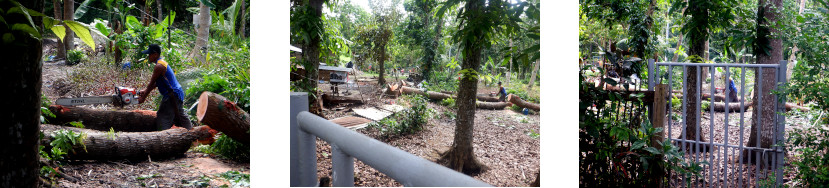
(732,107)
(102,120)
(704,97)
(487,98)
(514,99)
(429,94)
(330,99)
(492,105)
(223,115)
(791,106)
(100,145)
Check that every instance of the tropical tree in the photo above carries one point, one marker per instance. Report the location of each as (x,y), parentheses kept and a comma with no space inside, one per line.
(306,26)
(769,50)
(22,83)
(481,22)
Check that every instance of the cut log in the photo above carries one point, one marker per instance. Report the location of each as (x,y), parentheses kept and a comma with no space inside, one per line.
(732,107)
(705,97)
(429,94)
(790,106)
(223,115)
(492,105)
(330,99)
(514,99)
(487,98)
(99,145)
(102,120)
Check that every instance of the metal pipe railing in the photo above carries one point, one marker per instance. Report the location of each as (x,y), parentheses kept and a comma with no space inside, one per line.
(404,167)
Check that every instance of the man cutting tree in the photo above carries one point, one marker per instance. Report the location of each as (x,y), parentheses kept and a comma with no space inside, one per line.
(170,111)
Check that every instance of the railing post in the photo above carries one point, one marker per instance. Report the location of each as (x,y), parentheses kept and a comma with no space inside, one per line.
(303,146)
(781,121)
(659,102)
(343,167)
(651,76)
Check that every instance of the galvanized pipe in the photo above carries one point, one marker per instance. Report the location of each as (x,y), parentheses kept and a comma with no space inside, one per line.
(408,169)
(718,65)
(300,177)
(343,167)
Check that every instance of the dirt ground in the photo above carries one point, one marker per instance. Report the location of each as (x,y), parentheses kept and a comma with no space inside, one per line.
(189,169)
(500,141)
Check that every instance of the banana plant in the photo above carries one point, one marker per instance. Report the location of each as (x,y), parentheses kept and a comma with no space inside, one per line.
(81,30)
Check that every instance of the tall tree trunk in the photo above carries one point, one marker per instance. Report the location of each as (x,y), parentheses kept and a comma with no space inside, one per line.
(61,51)
(242,20)
(203,33)
(69,14)
(696,46)
(19,127)
(532,76)
(311,54)
(158,5)
(461,156)
(762,117)
(382,62)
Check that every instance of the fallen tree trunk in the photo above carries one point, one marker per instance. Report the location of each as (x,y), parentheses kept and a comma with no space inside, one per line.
(329,99)
(492,105)
(732,107)
(429,94)
(791,106)
(103,120)
(487,98)
(514,99)
(223,115)
(705,96)
(99,145)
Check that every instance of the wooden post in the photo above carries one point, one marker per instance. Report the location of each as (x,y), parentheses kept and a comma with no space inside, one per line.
(659,103)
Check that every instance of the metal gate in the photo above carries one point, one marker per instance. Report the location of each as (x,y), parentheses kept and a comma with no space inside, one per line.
(727,132)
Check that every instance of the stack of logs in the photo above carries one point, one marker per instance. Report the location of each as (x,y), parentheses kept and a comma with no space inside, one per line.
(133,134)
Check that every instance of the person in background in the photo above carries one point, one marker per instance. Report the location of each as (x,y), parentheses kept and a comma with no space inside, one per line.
(732,94)
(502,93)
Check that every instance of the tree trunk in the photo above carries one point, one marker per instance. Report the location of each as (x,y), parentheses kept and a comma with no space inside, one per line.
(697,40)
(117,51)
(514,99)
(763,116)
(100,145)
(382,62)
(532,78)
(223,115)
(21,85)
(158,7)
(429,94)
(61,51)
(492,105)
(461,156)
(69,14)
(487,98)
(242,21)
(103,120)
(311,55)
(203,33)
(678,44)
(732,107)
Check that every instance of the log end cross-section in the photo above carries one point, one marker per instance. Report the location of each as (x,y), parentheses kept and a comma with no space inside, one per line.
(223,115)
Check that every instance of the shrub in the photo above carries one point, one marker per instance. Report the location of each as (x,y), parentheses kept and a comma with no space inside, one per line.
(813,167)
(407,121)
(74,57)
(448,102)
(231,149)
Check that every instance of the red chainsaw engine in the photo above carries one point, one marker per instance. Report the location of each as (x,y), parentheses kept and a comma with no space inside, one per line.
(126,95)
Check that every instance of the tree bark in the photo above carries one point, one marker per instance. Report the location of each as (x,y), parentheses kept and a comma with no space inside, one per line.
(203,33)
(514,99)
(21,85)
(696,46)
(99,145)
(158,7)
(103,120)
(429,94)
(69,14)
(732,107)
(223,115)
(61,51)
(678,44)
(461,156)
(762,123)
(242,20)
(532,77)
(487,98)
(492,105)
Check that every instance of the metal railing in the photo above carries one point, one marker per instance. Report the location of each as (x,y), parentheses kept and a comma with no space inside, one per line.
(724,171)
(404,167)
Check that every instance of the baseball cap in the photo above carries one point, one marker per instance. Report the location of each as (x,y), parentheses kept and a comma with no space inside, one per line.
(153,48)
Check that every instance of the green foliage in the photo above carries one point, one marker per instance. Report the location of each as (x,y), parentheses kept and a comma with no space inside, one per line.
(676,103)
(533,134)
(619,153)
(44,109)
(407,121)
(232,149)
(810,162)
(202,181)
(450,114)
(148,176)
(705,105)
(236,178)
(64,140)
(74,57)
(78,124)
(448,102)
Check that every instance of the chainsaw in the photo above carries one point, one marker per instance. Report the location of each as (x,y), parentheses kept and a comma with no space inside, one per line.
(123,96)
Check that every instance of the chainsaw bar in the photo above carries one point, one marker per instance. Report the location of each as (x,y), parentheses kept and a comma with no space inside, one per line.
(85,100)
